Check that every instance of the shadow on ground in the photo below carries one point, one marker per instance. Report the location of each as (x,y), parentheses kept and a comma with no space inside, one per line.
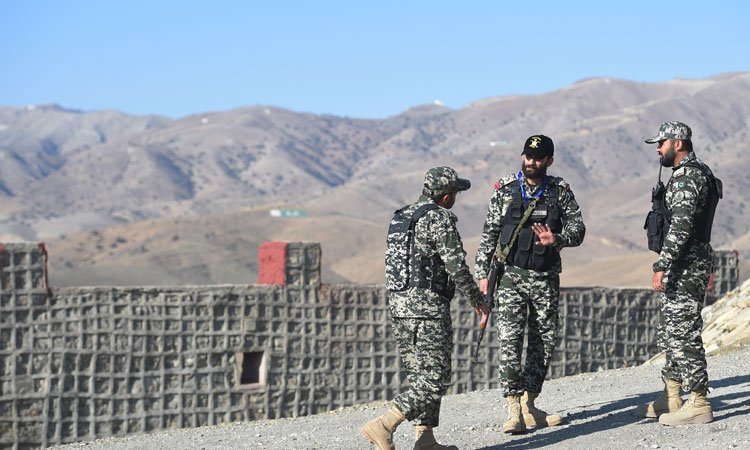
(620,413)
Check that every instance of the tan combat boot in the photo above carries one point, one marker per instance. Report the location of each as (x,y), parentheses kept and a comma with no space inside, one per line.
(426,440)
(696,409)
(669,401)
(515,423)
(535,417)
(379,431)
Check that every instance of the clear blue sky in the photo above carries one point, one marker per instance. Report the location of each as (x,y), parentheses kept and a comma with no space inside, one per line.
(349,58)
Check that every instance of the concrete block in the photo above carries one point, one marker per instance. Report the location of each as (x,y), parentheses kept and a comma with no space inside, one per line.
(289,263)
(272,263)
(24,267)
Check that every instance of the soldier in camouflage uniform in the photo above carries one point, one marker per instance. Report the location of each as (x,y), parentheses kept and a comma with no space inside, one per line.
(420,313)
(528,292)
(681,273)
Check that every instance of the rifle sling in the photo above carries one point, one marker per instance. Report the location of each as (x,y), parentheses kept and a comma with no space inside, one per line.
(502,253)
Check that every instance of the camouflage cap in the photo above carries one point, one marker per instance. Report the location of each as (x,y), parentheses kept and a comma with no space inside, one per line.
(443,180)
(671,130)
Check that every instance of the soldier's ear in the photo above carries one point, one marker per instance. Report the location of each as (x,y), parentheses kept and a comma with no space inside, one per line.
(678,145)
(550,161)
(444,200)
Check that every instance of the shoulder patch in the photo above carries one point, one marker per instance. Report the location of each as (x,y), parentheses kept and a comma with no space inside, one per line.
(504,180)
(679,172)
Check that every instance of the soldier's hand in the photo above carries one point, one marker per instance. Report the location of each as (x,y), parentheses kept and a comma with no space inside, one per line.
(657,281)
(483,311)
(546,236)
(483,286)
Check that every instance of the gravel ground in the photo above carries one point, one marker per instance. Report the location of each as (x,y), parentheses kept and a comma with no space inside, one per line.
(598,408)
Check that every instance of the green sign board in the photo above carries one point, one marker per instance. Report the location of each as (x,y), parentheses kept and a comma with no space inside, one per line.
(288,213)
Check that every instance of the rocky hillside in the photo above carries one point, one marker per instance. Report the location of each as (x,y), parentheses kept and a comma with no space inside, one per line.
(132,200)
(727,322)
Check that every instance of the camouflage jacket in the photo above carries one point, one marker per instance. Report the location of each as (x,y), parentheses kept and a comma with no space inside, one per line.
(436,233)
(573,226)
(686,195)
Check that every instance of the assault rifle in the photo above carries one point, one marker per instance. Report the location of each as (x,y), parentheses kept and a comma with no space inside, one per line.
(496,272)
(497,269)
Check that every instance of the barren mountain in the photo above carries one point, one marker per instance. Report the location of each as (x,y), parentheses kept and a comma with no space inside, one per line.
(149,200)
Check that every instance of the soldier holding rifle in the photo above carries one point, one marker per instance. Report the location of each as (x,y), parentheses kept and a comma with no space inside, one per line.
(531,217)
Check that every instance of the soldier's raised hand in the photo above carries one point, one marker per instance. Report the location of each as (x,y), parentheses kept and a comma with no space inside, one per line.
(546,236)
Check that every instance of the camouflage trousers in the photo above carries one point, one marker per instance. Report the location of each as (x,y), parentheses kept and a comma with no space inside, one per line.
(525,298)
(680,324)
(425,346)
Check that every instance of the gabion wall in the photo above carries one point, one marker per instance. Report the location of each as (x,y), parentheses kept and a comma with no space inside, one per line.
(84,363)
(726,276)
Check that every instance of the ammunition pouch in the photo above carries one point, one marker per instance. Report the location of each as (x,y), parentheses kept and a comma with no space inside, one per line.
(431,275)
(525,253)
(659,218)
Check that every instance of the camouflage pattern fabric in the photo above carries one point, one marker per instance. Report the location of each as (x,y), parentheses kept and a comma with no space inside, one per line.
(671,130)
(436,233)
(687,192)
(443,180)
(526,297)
(573,226)
(421,320)
(688,264)
(681,323)
(425,346)
(402,268)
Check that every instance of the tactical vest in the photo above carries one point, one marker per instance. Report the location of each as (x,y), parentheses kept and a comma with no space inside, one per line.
(403,267)
(524,253)
(659,218)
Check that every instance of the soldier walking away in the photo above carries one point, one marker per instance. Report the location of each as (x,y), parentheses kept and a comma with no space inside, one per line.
(424,263)
(679,229)
(531,217)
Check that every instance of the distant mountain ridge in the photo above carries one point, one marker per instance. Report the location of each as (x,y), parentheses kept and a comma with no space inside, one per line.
(138,179)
